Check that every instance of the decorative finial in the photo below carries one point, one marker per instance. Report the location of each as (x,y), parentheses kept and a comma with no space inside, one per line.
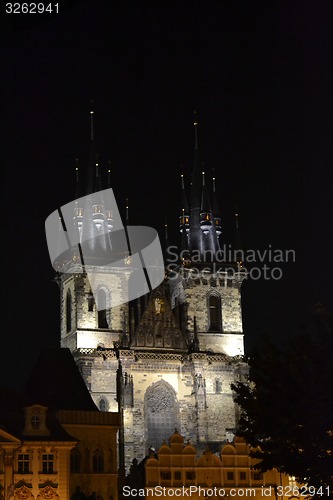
(126,210)
(109,174)
(214,179)
(195,123)
(77,169)
(92,112)
(182,176)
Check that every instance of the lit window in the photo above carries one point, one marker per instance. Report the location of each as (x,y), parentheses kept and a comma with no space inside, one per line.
(47,463)
(97,209)
(292,482)
(23,463)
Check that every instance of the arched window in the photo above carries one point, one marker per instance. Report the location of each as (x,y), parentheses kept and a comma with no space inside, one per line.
(102,308)
(68,311)
(214,313)
(161,413)
(75,460)
(98,461)
(102,405)
(86,460)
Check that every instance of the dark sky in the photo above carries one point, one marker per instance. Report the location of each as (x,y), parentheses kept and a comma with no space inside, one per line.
(259,74)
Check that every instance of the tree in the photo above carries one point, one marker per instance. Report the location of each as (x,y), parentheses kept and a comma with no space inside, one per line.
(287,404)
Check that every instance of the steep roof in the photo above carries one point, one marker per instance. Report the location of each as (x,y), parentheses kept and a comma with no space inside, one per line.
(56,382)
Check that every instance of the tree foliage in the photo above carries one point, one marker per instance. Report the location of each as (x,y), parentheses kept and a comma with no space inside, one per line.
(287,404)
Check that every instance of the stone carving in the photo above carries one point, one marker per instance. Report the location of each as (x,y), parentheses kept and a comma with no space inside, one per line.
(48,493)
(23,493)
(159,400)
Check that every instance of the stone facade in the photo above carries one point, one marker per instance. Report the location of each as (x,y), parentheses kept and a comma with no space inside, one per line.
(167,381)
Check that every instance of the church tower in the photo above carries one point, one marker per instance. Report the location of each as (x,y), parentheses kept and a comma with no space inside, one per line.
(167,359)
(205,282)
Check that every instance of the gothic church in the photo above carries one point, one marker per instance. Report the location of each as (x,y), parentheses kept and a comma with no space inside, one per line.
(167,360)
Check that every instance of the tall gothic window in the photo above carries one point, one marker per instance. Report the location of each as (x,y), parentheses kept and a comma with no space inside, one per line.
(68,311)
(75,461)
(98,461)
(102,308)
(214,313)
(161,413)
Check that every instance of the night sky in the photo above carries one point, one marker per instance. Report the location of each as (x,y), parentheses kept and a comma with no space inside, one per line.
(260,75)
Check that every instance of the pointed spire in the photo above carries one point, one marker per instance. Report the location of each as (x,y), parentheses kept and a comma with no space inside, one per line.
(195,240)
(238,243)
(166,246)
(92,112)
(91,173)
(195,124)
(108,183)
(126,211)
(185,213)
(216,210)
(205,201)
(77,179)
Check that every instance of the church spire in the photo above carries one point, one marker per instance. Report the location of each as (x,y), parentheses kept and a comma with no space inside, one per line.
(216,210)
(203,237)
(195,235)
(185,212)
(184,225)
(238,243)
(91,172)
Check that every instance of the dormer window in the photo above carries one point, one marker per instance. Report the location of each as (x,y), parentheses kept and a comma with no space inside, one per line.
(35,421)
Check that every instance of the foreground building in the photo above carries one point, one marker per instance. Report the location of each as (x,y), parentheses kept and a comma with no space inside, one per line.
(177,471)
(54,442)
(168,359)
